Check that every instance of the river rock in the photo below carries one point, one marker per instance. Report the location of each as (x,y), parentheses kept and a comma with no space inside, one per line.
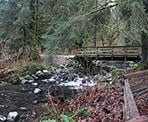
(46,72)
(48,81)
(23,108)
(31,81)
(39,73)
(12,116)
(34,76)
(3,106)
(24,81)
(34,84)
(2,118)
(59,71)
(35,102)
(42,75)
(53,78)
(28,77)
(36,91)
(2,83)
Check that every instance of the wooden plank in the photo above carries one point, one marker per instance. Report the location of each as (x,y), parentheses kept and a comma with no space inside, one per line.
(105,51)
(91,51)
(130,108)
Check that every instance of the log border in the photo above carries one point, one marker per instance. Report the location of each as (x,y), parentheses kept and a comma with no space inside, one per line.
(130,109)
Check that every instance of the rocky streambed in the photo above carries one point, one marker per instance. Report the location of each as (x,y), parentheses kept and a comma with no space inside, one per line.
(23,102)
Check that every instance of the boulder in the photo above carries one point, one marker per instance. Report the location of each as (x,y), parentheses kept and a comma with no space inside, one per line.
(2,118)
(39,73)
(24,81)
(34,84)
(12,116)
(23,108)
(37,90)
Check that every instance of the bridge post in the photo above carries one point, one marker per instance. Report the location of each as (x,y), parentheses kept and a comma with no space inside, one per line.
(125,54)
(112,54)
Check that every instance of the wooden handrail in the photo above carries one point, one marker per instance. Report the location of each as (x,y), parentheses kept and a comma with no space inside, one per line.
(109,50)
(111,47)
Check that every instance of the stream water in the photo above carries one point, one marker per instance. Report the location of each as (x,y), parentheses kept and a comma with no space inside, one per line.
(20,98)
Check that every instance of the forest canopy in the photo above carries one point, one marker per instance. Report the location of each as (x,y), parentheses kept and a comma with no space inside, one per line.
(28,26)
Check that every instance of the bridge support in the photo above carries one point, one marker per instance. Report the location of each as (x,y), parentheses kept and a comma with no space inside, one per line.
(86,63)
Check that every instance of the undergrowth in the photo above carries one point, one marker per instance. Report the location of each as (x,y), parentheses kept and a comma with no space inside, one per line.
(95,104)
(141,66)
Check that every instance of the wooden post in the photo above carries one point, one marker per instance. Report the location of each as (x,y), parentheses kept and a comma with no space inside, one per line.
(112,54)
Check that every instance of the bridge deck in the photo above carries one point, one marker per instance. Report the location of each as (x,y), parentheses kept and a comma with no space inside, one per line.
(110,52)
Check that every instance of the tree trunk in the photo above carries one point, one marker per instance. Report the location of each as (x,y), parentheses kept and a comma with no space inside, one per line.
(32,9)
(36,20)
(144,37)
(95,28)
(144,47)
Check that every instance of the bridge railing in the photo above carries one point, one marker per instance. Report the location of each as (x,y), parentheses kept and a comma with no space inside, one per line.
(110,50)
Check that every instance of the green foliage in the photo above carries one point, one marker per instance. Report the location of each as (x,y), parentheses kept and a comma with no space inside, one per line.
(11,75)
(66,118)
(20,26)
(34,55)
(67,27)
(66,24)
(48,121)
(32,68)
(142,66)
(134,17)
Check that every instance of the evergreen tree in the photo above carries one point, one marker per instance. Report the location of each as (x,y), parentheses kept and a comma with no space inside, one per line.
(8,13)
(28,25)
(134,15)
(62,27)
(19,25)
(74,22)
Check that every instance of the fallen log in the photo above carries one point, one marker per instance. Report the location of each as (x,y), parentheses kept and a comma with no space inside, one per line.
(130,108)
(137,89)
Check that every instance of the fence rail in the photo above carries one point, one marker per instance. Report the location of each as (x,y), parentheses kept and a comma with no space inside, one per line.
(109,51)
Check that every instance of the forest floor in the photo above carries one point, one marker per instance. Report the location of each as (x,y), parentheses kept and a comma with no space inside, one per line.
(106,103)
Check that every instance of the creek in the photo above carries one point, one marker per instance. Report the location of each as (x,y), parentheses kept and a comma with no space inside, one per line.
(28,97)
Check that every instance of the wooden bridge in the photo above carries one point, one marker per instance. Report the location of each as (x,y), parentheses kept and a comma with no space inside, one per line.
(111,52)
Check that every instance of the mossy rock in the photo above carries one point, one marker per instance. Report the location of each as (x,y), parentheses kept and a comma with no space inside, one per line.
(32,68)
(13,75)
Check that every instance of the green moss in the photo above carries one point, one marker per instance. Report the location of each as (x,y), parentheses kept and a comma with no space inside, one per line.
(11,75)
(32,68)
(21,70)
